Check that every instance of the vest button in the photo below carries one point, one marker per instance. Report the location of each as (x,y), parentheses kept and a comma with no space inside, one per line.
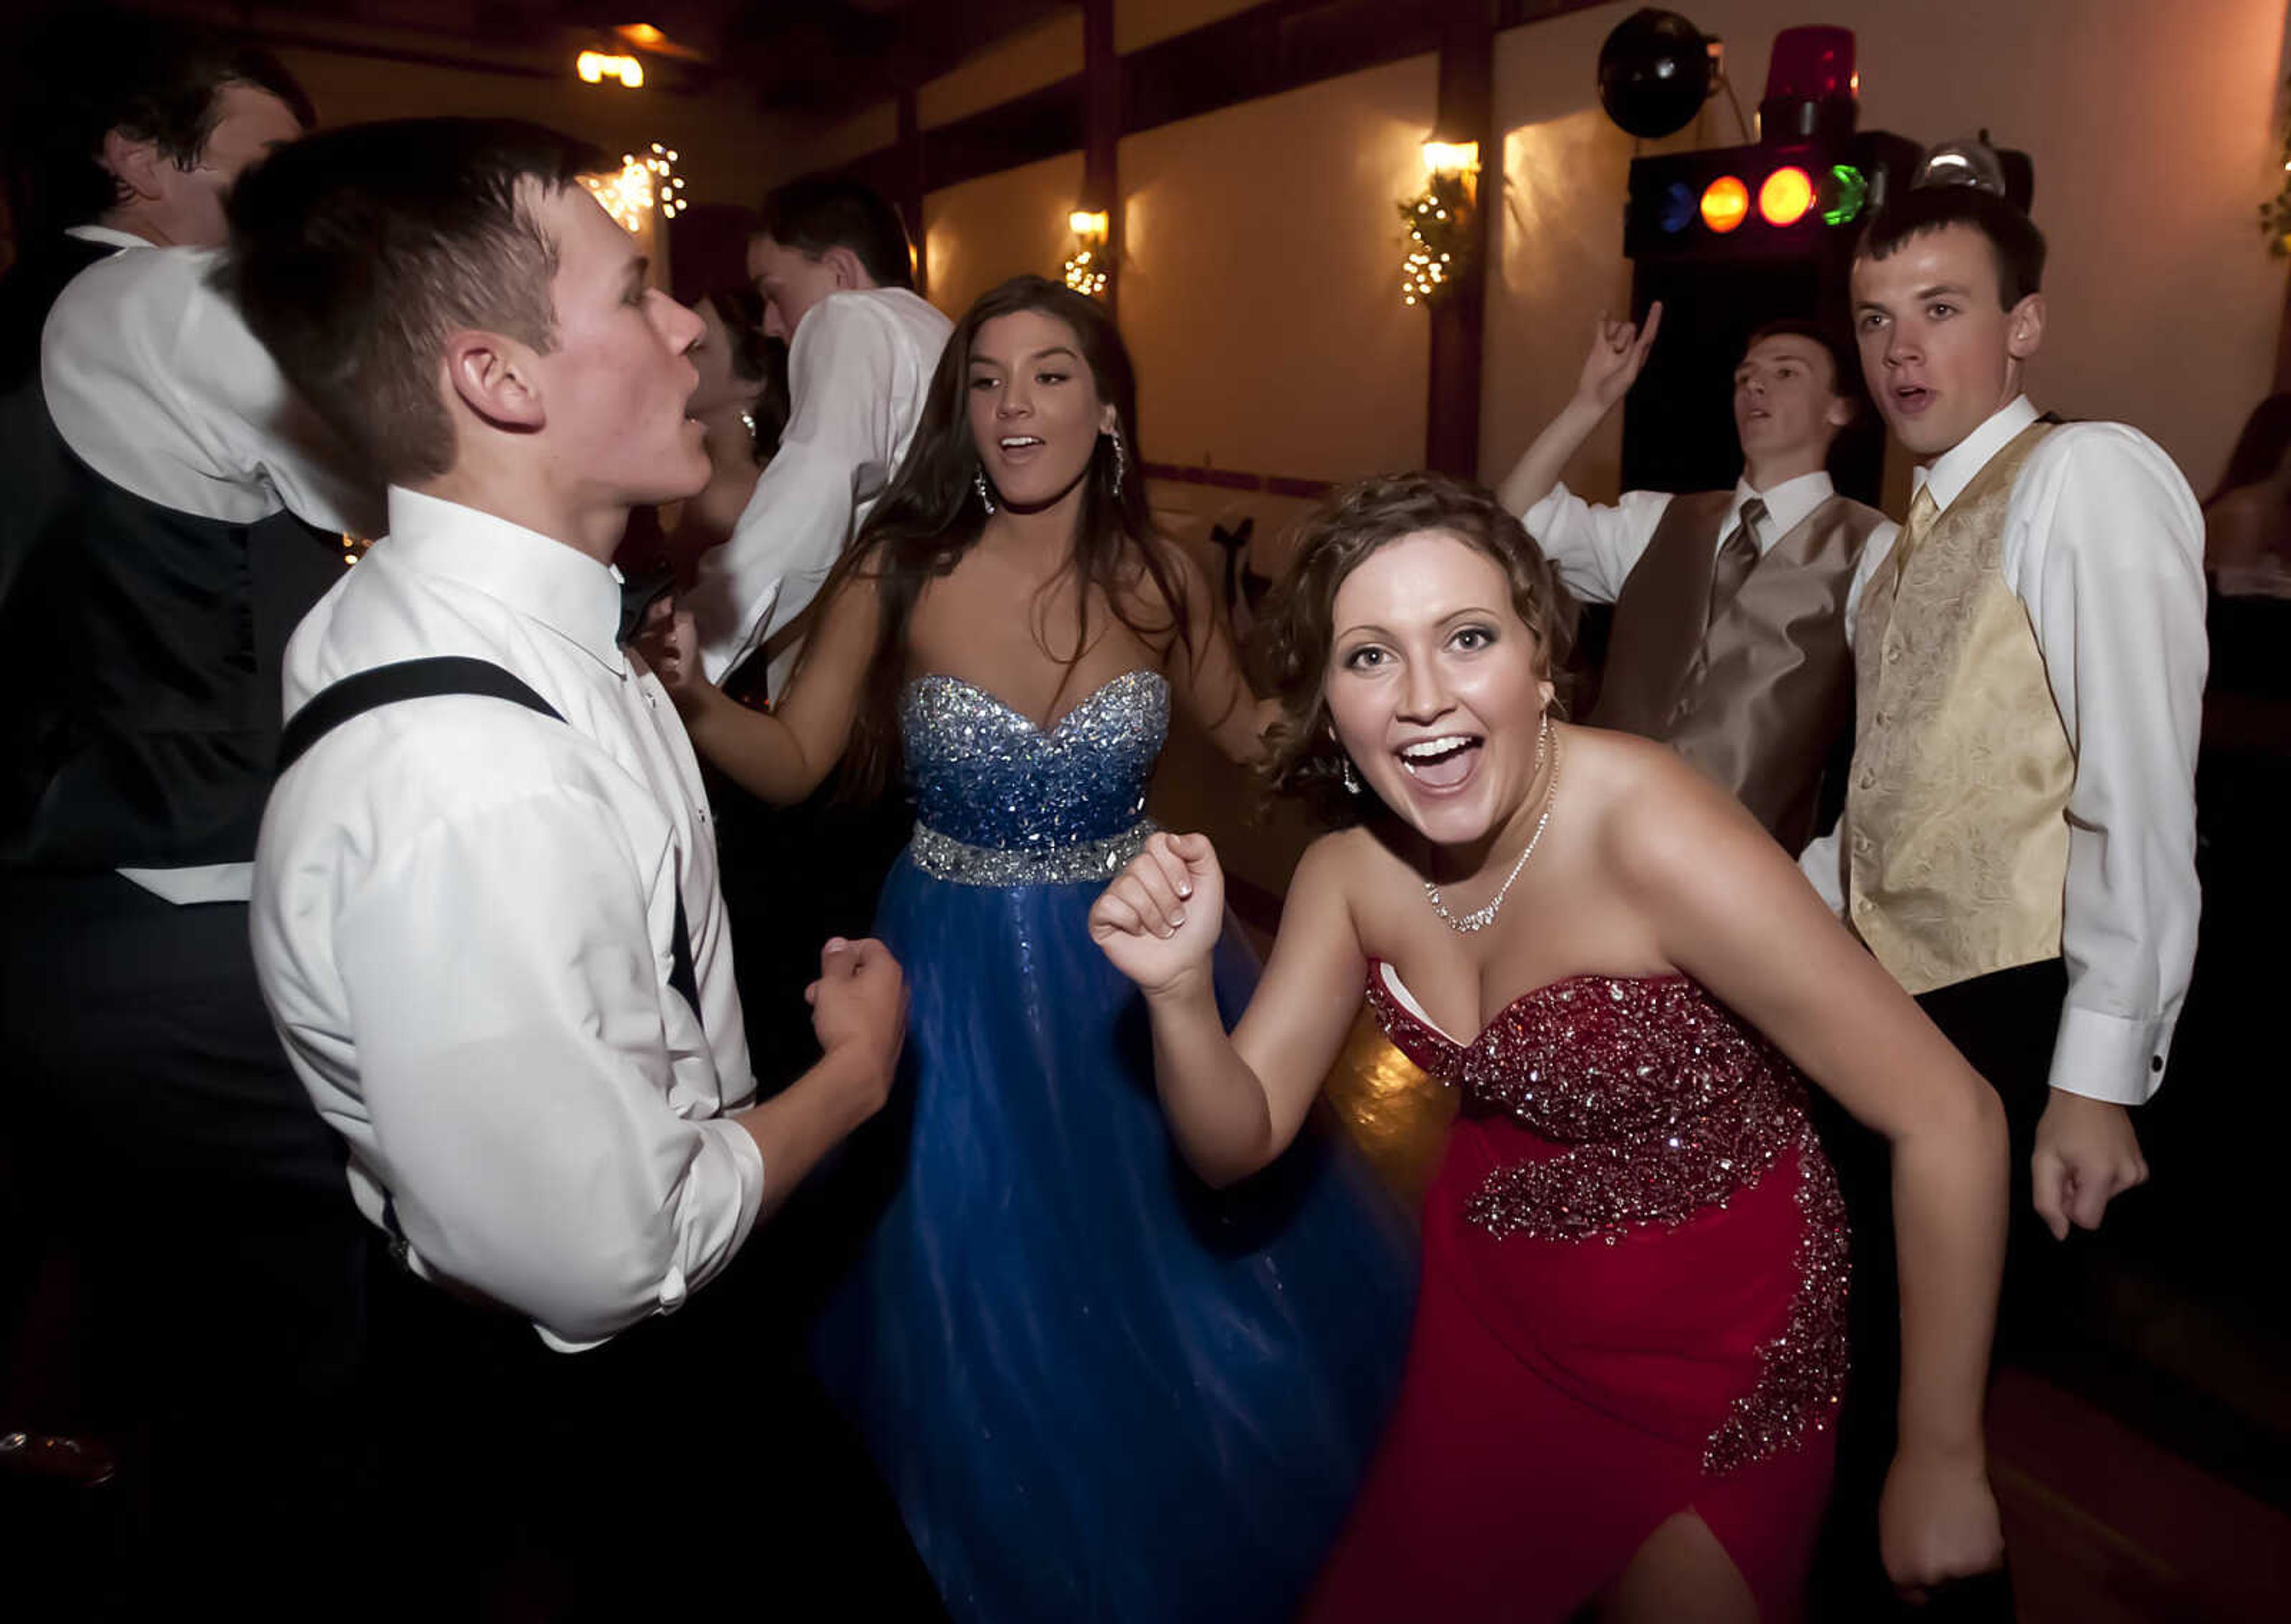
(1868,779)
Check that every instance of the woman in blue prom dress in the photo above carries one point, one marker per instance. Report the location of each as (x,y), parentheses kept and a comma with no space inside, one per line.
(1099,1390)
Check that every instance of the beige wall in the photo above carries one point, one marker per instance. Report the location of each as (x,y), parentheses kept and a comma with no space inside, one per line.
(2152,127)
(1261,282)
(987,229)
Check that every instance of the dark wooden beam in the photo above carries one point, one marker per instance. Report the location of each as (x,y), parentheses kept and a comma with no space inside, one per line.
(1281,45)
(1101,168)
(1467,113)
(1040,125)
(909,197)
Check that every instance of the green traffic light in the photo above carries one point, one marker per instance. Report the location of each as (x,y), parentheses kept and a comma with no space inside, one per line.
(1853,191)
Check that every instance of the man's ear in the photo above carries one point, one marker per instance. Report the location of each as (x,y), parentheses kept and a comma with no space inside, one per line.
(849,272)
(1841,411)
(494,377)
(136,165)
(2024,328)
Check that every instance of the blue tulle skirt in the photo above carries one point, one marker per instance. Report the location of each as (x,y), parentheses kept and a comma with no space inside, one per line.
(1100,1390)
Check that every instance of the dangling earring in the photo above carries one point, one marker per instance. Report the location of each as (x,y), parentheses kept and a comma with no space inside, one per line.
(1351,778)
(978,484)
(1121,464)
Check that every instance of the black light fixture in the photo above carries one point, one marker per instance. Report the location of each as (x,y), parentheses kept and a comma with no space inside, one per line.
(1654,72)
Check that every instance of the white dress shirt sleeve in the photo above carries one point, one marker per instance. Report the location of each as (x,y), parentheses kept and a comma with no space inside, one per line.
(1824,867)
(513,1058)
(156,382)
(1595,549)
(2109,563)
(836,453)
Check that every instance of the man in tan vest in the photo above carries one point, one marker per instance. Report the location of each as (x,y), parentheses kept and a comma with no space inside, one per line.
(1733,610)
(2018,845)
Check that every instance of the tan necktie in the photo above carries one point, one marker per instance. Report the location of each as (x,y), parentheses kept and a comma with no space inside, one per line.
(1925,512)
(1738,555)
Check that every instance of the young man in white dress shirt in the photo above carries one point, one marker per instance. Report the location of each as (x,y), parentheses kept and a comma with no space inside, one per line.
(154,554)
(2018,843)
(1733,610)
(833,265)
(488,923)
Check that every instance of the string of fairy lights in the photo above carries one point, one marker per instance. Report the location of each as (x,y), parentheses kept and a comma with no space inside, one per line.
(1438,221)
(1086,266)
(643,184)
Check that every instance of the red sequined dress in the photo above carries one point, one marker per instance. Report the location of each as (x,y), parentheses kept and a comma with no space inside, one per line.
(1633,1305)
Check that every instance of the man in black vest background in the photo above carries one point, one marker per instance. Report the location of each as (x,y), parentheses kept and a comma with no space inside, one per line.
(1733,610)
(151,565)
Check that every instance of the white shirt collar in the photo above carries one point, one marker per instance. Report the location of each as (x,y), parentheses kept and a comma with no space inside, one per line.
(534,574)
(1787,507)
(109,235)
(1947,474)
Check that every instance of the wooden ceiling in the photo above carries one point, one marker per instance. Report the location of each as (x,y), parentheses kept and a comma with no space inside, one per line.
(812,56)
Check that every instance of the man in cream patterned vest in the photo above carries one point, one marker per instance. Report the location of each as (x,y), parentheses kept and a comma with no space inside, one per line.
(1733,608)
(2018,845)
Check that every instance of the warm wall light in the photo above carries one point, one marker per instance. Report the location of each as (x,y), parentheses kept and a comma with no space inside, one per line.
(1452,157)
(1085,267)
(1439,222)
(595,66)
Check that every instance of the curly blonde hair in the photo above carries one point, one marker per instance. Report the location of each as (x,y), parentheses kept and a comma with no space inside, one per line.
(1294,636)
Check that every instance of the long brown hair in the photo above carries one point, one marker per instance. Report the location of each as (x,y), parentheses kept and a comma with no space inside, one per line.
(931,515)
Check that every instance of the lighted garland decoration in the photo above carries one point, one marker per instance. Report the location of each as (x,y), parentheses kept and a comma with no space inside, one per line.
(1439,237)
(641,183)
(1086,272)
(2275,213)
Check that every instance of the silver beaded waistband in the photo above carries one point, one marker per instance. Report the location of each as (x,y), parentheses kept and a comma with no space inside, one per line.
(944,858)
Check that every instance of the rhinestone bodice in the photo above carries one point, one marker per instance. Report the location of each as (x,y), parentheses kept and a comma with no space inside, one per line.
(1600,1060)
(999,800)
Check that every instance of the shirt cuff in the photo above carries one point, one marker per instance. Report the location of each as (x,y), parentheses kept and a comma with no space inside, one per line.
(748,1163)
(719,660)
(1822,866)
(2110,1057)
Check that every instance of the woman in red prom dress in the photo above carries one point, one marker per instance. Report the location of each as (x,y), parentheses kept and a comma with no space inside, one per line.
(1634,1284)
(1630,1332)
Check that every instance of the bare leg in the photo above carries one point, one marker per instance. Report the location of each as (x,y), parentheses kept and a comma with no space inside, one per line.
(1681,1574)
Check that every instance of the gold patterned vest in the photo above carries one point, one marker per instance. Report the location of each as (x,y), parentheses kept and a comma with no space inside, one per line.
(1956,844)
(1758,700)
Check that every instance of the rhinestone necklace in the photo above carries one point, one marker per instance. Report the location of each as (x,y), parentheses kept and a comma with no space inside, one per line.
(1480,918)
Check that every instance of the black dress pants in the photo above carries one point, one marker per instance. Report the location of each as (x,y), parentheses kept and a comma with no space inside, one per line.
(2004,1026)
(157,1141)
(689,1468)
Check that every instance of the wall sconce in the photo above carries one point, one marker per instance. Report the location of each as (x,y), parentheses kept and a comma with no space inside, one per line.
(595,66)
(1085,267)
(1439,221)
(1460,158)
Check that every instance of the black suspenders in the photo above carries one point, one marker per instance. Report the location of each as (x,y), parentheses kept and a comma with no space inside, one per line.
(386,684)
